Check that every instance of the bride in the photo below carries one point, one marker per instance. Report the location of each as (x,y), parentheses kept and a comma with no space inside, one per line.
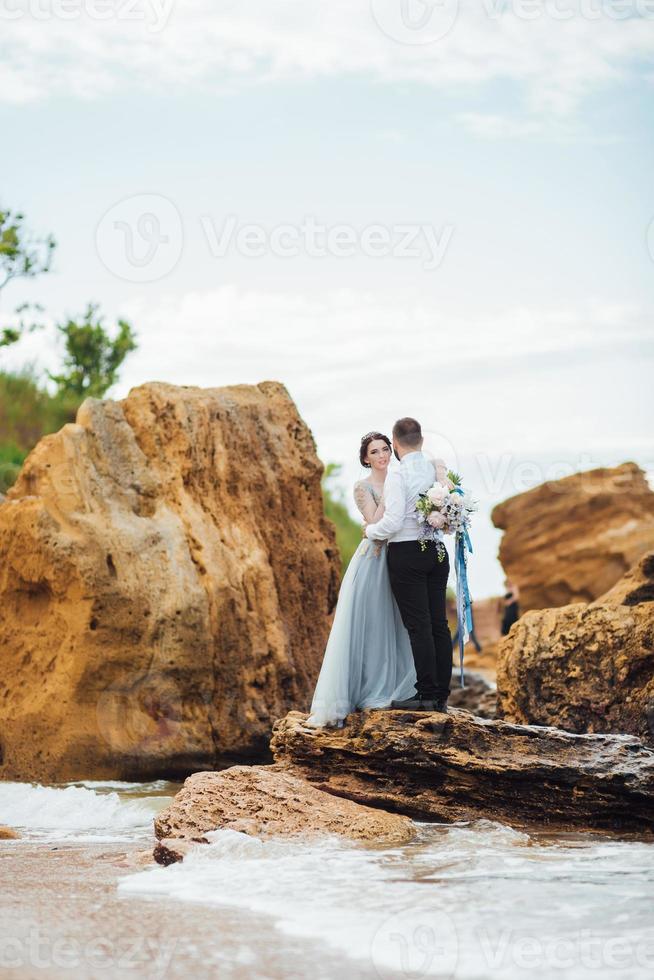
(368,661)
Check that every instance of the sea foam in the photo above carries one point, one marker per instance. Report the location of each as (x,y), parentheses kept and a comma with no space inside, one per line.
(74,812)
(458,902)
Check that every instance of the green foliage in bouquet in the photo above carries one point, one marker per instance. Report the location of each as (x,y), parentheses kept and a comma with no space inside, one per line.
(423,505)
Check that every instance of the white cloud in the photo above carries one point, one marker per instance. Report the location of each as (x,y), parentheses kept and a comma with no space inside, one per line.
(350,358)
(219,45)
(506,398)
(532,388)
(494,126)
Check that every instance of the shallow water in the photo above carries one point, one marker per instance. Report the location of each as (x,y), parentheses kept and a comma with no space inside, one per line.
(467,901)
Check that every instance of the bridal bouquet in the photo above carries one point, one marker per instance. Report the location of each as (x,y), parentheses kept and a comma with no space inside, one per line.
(444,507)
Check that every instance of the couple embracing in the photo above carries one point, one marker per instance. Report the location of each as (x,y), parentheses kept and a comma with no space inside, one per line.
(390,644)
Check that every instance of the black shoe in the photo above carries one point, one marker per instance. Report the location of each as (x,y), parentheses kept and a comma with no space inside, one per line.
(440,706)
(414,704)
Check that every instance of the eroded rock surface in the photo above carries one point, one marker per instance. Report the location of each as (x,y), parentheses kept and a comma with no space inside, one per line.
(449,767)
(478,696)
(571,540)
(166,582)
(585,667)
(266,801)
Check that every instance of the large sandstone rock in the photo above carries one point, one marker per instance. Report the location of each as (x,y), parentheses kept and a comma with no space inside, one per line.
(483,663)
(585,668)
(8,833)
(166,581)
(570,540)
(266,801)
(487,615)
(432,766)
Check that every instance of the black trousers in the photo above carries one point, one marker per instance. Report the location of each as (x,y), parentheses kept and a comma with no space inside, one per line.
(418,580)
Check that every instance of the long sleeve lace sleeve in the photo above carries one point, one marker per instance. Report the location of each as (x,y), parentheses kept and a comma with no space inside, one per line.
(366,504)
(361,496)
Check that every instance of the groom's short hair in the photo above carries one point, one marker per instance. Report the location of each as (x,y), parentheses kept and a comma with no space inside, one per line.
(407,432)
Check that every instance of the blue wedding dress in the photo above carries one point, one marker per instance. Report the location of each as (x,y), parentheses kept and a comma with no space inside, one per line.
(368,661)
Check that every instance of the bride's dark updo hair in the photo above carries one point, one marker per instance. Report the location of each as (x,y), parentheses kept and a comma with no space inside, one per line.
(365,442)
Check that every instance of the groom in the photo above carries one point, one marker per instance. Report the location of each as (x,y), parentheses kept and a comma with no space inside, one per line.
(418,578)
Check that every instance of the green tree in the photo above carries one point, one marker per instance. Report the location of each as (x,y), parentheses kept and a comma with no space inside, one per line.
(22,256)
(92,357)
(91,364)
(27,412)
(348,532)
(11,460)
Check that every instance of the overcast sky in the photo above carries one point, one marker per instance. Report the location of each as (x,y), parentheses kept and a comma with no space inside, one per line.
(440,210)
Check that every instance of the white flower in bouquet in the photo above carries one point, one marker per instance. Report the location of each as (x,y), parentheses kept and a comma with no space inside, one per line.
(444,508)
(438,494)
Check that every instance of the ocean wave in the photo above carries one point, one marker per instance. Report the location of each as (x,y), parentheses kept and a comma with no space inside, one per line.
(74,812)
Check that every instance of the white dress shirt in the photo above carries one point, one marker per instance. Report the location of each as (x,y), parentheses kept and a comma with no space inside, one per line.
(415,474)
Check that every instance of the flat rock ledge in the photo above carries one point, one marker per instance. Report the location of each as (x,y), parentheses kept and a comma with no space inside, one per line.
(437,767)
(266,801)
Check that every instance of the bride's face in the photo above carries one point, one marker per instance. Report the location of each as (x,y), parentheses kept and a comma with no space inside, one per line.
(378,455)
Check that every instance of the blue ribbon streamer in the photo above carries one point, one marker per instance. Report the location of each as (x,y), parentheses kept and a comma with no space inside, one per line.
(462,545)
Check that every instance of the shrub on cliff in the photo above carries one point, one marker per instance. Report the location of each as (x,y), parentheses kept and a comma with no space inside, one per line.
(348,531)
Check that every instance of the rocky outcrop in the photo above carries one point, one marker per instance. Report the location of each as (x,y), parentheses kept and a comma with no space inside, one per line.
(570,540)
(482,662)
(478,696)
(266,801)
(448,767)
(166,582)
(172,850)
(585,667)
(487,614)
(8,833)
